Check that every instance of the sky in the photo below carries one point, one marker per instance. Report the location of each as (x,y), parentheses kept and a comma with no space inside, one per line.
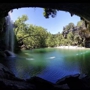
(53,25)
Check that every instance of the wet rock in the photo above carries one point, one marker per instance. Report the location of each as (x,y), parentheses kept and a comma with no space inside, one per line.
(6,53)
(63,86)
(76,75)
(9,53)
(11,84)
(82,76)
(74,82)
(2,54)
(41,83)
(63,80)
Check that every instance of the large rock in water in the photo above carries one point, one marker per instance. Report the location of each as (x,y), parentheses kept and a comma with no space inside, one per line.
(9,53)
(6,53)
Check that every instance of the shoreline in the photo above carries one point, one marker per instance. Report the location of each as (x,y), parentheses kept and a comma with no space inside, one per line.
(70,47)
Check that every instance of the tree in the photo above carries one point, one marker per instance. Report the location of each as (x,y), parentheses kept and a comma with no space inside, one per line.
(58,38)
(48,11)
(80,23)
(28,35)
(70,38)
(20,24)
(69,26)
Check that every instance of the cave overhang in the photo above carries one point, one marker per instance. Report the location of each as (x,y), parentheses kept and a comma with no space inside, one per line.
(80,9)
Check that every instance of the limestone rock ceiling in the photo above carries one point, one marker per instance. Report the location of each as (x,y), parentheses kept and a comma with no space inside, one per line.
(80,9)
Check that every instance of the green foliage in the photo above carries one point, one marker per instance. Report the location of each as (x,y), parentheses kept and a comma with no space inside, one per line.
(69,26)
(70,38)
(30,36)
(80,23)
(48,11)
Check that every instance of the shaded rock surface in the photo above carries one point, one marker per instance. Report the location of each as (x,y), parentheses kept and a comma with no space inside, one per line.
(6,53)
(15,84)
(79,9)
(42,84)
(75,81)
(9,53)
(2,54)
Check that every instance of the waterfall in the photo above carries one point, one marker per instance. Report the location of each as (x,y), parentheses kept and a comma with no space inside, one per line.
(9,34)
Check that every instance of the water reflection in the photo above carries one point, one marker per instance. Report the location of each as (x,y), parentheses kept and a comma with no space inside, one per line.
(29,67)
(50,64)
(79,62)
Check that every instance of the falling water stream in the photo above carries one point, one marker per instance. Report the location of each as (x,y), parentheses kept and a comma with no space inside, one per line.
(9,35)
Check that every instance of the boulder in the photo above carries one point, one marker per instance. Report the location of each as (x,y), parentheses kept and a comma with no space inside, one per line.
(76,81)
(2,54)
(9,53)
(40,83)
(11,84)
(63,80)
